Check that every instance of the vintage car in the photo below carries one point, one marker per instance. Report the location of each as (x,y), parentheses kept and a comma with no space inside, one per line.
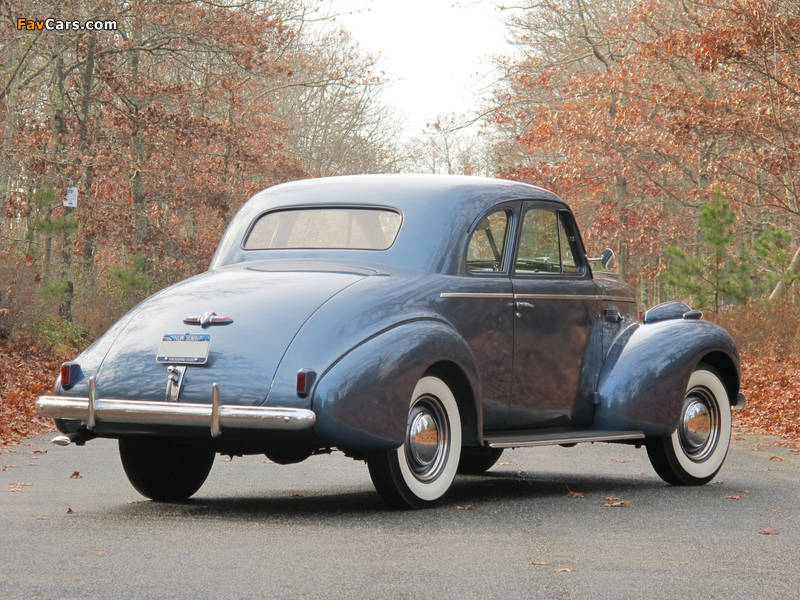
(420,323)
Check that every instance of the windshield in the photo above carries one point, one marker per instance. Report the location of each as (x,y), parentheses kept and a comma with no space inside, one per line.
(334,228)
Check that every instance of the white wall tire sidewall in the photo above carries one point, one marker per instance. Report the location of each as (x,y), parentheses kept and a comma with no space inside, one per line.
(433,490)
(712,464)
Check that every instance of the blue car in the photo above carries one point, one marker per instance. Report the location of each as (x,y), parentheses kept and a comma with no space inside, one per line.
(420,323)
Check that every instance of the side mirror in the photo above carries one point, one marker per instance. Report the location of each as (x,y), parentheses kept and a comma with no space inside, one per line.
(608,259)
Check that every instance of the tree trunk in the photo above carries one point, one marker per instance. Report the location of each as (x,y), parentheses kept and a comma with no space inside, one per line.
(794,268)
(140,221)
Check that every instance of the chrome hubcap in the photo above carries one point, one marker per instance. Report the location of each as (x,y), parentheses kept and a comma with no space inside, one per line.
(427,439)
(700,424)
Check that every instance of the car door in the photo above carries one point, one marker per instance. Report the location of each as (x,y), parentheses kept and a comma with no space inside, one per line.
(479,302)
(555,350)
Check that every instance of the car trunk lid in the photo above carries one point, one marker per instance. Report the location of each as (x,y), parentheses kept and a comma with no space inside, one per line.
(266,307)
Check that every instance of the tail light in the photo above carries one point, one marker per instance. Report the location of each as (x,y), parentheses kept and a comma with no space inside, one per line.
(69,374)
(305,381)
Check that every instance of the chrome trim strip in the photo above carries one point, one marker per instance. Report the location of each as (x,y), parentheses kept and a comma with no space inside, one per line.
(108,410)
(538,297)
(573,297)
(553,439)
(617,299)
(468,295)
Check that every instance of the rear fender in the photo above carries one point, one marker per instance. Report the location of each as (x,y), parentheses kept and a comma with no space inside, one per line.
(362,401)
(643,381)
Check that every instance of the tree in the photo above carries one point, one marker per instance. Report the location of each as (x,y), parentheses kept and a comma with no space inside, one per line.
(712,273)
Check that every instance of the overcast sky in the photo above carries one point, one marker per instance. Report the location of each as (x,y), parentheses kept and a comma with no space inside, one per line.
(437,52)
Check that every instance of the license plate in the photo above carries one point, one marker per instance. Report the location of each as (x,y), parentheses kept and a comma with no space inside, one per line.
(184,348)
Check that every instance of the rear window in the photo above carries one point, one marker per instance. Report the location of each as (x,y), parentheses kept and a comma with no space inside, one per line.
(332,228)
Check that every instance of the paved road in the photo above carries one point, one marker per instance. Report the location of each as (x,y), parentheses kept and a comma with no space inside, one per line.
(318,530)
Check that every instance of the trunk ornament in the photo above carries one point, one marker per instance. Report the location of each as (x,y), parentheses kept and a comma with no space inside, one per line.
(208,318)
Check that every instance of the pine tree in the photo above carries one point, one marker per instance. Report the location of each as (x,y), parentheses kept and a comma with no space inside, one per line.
(713,273)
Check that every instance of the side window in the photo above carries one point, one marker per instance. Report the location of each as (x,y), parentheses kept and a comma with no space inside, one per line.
(568,263)
(545,245)
(487,246)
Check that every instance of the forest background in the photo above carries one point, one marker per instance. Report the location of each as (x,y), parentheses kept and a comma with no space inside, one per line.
(672,128)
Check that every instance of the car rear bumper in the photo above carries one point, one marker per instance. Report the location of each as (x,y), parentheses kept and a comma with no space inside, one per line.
(216,417)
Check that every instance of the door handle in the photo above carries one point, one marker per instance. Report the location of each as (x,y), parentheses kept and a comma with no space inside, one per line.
(524,305)
(612,315)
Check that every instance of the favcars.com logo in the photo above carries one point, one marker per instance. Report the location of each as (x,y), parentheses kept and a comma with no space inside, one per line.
(59,25)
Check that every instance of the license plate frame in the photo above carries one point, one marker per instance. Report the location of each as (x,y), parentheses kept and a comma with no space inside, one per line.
(184,348)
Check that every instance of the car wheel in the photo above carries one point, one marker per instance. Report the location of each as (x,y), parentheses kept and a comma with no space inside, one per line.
(475,461)
(165,469)
(694,453)
(419,473)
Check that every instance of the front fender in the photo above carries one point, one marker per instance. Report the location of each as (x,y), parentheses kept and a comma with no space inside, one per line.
(643,381)
(362,401)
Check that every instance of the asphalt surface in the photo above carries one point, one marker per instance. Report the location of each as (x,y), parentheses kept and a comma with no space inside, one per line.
(72,527)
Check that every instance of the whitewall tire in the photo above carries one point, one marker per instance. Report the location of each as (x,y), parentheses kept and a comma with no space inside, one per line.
(419,473)
(694,453)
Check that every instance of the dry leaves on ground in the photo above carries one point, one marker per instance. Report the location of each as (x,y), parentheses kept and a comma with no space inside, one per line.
(620,503)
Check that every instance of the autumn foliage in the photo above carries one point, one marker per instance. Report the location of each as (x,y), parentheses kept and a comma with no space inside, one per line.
(637,112)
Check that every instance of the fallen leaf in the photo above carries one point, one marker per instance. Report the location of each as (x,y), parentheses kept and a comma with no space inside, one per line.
(15,487)
(76,475)
(718,482)
(39,452)
(734,497)
(769,532)
(774,510)
(610,498)
(620,461)
(620,503)
(572,494)
(294,495)
(466,507)
(503,464)
(101,553)
(565,570)
(744,491)
(772,469)
(69,510)
(29,444)
(539,562)
(776,458)
(40,518)
(267,462)
(228,459)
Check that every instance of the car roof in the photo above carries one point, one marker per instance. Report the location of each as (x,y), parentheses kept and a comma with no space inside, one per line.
(437,211)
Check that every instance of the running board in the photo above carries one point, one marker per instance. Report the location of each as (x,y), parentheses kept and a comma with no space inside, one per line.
(562,437)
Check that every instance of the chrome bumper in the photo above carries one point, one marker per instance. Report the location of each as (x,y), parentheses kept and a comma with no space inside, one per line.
(217,417)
